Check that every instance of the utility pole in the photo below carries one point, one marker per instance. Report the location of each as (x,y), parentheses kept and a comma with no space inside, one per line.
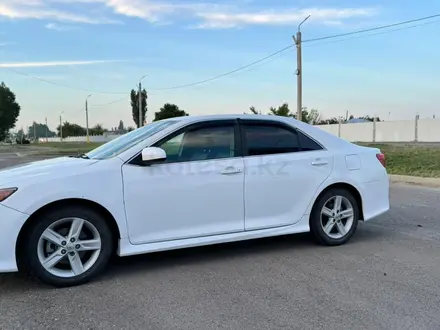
(47,139)
(87,119)
(141,122)
(298,42)
(35,133)
(140,105)
(61,128)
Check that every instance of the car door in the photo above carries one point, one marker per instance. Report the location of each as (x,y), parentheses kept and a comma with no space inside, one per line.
(283,170)
(198,191)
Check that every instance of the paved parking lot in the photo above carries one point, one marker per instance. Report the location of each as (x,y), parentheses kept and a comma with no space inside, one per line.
(10,158)
(387,277)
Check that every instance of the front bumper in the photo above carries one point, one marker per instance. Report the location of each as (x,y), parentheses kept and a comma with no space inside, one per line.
(11,222)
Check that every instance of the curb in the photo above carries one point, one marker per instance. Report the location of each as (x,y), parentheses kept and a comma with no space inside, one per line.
(415,180)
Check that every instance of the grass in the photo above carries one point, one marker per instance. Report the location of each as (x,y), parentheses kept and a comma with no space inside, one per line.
(411,159)
(69,145)
(403,159)
(57,148)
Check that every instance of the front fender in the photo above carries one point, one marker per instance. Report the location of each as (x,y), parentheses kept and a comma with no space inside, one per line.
(103,187)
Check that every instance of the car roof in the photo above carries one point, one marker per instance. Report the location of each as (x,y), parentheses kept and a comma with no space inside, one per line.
(224,117)
(328,140)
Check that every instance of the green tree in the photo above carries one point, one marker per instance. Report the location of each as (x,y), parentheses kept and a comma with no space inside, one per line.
(130,128)
(282,110)
(134,97)
(39,130)
(169,111)
(70,129)
(328,121)
(370,118)
(8,137)
(20,135)
(121,125)
(313,116)
(309,116)
(97,130)
(254,111)
(9,110)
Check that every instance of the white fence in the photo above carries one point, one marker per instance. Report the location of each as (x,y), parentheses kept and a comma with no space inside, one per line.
(93,138)
(417,130)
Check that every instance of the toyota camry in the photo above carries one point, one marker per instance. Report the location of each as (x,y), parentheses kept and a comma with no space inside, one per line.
(185,182)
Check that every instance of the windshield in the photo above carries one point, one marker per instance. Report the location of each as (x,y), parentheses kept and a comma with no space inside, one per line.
(126,141)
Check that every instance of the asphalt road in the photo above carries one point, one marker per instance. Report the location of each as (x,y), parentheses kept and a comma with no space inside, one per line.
(387,277)
(10,158)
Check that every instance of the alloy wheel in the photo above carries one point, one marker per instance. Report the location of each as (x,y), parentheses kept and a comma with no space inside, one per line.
(69,247)
(337,217)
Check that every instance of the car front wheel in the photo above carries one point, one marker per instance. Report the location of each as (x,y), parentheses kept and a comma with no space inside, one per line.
(334,217)
(69,246)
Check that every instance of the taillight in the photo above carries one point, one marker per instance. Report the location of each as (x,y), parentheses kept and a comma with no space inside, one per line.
(381,158)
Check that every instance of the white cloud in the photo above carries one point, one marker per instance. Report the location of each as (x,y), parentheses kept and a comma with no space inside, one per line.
(286,17)
(58,27)
(43,10)
(151,10)
(53,63)
(202,15)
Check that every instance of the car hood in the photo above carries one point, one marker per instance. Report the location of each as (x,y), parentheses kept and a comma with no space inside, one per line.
(10,176)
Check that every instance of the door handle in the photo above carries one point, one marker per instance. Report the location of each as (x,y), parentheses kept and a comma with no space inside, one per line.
(231,170)
(319,162)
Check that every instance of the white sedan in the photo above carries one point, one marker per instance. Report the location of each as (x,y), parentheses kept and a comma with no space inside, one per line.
(185,182)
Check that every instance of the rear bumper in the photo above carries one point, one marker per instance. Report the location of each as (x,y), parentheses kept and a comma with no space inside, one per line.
(11,222)
(375,198)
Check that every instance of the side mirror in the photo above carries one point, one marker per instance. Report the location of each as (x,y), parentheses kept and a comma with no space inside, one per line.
(153,155)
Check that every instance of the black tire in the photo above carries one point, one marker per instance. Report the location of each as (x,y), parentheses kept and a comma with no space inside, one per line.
(316,228)
(40,224)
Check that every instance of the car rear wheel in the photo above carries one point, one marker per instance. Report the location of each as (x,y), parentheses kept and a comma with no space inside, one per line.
(334,217)
(68,247)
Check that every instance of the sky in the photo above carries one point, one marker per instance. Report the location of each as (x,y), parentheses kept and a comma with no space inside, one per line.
(54,53)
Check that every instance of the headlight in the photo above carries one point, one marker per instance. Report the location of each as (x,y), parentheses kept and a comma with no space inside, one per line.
(5,193)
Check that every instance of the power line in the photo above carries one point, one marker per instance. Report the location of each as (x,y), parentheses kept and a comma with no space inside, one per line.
(250,64)
(109,103)
(308,40)
(226,73)
(372,29)
(273,58)
(372,34)
(153,89)
(61,85)
(82,110)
